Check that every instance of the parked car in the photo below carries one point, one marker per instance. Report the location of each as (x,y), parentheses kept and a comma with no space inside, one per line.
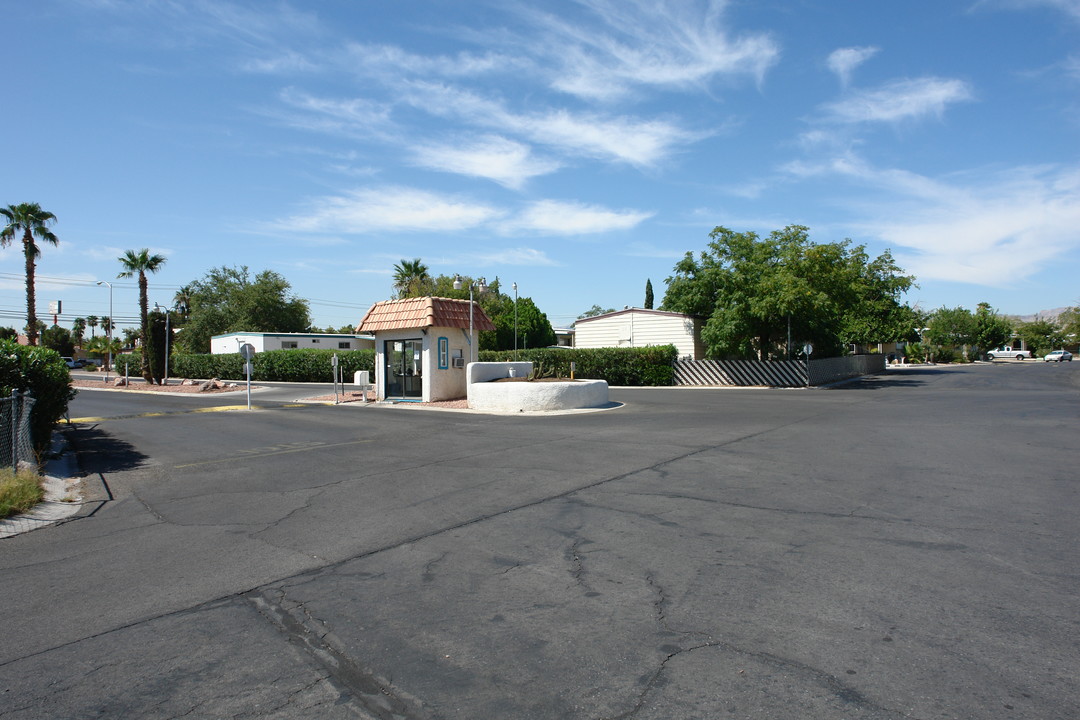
(1008,352)
(72,363)
(1058,356)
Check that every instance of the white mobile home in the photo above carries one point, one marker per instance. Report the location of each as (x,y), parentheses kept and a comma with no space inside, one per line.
(231,342)
(637,327)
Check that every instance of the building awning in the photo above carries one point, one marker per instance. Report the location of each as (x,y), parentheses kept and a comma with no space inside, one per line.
(423,312)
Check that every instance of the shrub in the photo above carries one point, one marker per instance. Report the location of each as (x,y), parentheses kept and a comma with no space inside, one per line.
(618,366)
(44,375)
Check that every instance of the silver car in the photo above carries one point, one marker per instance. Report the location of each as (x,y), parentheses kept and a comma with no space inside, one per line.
(1058,356)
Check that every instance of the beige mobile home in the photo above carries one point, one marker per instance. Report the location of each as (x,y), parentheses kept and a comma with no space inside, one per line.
(637,327)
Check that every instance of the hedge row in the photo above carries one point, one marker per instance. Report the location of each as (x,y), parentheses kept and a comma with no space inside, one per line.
(274,365)
(42,373)
(619,366)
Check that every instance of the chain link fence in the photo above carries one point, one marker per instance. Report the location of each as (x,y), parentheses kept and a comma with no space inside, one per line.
(15,441)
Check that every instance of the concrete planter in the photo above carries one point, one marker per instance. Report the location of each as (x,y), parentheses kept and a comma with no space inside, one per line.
(529,396)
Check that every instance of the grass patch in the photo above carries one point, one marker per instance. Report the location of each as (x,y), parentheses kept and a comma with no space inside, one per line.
(19,491)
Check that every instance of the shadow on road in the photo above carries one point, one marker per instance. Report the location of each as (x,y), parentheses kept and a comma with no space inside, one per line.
(100,452)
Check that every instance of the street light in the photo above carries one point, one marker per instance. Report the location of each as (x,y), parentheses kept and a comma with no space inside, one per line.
(515,322)
(480,288)
(168,336)
(109,328)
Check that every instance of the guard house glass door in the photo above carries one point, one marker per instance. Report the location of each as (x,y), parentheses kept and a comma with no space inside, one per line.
(404,368)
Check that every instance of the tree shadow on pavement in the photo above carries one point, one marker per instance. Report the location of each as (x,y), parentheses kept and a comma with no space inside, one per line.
(100,452)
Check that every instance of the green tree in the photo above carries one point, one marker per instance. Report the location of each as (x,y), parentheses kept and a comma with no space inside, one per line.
(648,294)
(991,330)
(754,291)
(411,279)
(594,311)
(32,222)
(139,263)
(949,328)
(8,333)
(230,299)
(1070,324)
(1041,336)
(58,339)
(92,323)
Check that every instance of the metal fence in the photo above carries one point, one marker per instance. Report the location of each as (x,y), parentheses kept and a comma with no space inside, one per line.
(16,445)
(778,373)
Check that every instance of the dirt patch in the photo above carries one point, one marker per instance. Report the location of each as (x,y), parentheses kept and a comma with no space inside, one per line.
(140,386)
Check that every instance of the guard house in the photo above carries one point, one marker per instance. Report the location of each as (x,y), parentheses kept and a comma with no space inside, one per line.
(422,346)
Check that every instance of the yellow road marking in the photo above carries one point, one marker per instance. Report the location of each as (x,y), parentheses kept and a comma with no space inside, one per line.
(270,454)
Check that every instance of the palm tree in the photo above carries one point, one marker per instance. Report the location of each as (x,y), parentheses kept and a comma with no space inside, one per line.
(78,330)
(92,322)
(182,302)
(140,263)
(30,220)
(411,279)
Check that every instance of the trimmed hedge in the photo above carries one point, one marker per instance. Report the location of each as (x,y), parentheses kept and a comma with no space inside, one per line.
(42,373)
(654,365)
(275,365)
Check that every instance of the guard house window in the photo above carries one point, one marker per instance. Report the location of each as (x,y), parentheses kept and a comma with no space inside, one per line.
(344,345)
(288,344)
(315,340)
(444,353)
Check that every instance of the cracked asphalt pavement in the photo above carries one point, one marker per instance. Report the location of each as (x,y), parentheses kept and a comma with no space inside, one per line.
(904,546)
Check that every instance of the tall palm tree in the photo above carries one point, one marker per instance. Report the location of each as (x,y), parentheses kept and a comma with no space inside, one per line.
(411,278)
(30,220)
(92,322)
(182,301)
(78,330)
(140,263)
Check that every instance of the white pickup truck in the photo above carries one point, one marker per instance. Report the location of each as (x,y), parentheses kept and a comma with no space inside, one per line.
(1008,352)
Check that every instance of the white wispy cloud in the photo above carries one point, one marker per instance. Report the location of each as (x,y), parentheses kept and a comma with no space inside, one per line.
(981,228)
(570,218)
(351,116)
(523,256)
(389,209)
(393,62)
(900,100)
(496,158)
(843,61)
(619,138)
(669,44)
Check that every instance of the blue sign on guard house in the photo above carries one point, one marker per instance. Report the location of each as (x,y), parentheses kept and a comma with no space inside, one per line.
(422,346)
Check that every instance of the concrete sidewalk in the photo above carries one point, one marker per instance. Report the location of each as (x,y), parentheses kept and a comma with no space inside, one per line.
(62,494)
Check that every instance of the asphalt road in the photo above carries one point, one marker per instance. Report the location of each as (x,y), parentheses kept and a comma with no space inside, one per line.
(900,547)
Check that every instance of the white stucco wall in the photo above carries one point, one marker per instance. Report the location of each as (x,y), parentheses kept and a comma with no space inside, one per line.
(438,383)
(539,396)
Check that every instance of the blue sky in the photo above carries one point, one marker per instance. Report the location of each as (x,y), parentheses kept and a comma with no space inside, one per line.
(575,148)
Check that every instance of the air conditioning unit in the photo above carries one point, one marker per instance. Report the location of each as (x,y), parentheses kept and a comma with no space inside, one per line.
(458,362)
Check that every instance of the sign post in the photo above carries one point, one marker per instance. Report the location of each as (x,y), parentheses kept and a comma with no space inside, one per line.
(247,351)
(808,350)
(334,365)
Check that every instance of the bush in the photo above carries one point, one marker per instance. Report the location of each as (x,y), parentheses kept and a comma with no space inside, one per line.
(275,365)
(618,366)
(44,375)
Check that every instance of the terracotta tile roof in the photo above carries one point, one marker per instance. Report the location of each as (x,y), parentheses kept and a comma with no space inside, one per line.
(423,312)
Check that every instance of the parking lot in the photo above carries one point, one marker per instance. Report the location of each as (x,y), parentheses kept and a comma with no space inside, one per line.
(900,546)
